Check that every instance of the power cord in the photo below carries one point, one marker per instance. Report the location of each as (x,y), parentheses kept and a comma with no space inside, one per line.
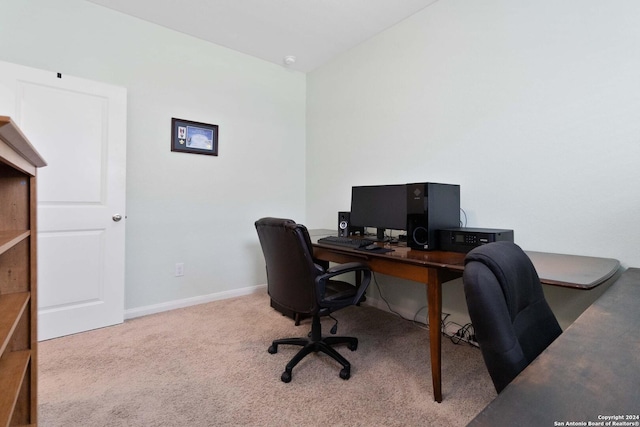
(414,321)
(463,223)
(375,281)
(464,333)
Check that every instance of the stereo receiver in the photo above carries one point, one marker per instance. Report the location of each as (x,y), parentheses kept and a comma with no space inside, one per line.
(465,239)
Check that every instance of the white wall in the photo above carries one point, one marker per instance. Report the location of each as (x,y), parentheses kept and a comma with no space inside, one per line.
(181,207)
(532,107)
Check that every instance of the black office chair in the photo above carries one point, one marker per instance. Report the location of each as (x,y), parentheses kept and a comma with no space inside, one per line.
(297,283)
(512,321)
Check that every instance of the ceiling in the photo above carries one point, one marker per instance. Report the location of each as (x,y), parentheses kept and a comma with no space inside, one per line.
(313,31)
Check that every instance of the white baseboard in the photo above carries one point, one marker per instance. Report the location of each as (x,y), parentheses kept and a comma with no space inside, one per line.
(187,302)
(201,299)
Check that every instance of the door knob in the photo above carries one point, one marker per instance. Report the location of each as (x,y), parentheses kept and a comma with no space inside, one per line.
(116,217)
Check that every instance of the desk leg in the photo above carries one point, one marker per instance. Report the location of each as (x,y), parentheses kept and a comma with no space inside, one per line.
(434,306)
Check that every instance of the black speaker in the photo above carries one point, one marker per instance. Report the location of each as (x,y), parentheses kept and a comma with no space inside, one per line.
(417,231)
(431,207)
(344,225)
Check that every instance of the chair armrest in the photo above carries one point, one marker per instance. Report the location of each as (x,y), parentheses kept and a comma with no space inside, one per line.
(346,268)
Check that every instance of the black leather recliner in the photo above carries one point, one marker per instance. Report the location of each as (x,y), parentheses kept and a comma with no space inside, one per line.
(512,321)
(297,283)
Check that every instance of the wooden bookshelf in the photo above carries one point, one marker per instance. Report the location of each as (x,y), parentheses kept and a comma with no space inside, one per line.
(18,277)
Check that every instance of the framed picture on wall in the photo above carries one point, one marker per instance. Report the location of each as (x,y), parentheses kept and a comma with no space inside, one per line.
(194,137)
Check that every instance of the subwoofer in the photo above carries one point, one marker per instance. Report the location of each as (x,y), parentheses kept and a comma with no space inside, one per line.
(431,207)
(418,231)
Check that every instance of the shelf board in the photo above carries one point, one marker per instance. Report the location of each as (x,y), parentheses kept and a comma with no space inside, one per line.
(10,238)
(13,136)
(11,308)
(13,367)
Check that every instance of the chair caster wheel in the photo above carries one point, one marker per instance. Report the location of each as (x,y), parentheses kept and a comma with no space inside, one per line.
(272,349)
(286,377)
(345,373)
(353,347)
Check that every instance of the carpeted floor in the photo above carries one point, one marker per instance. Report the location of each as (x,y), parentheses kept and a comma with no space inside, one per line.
(208,365)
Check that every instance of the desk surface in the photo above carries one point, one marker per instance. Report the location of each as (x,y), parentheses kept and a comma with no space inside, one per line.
(590,371)
(573,271)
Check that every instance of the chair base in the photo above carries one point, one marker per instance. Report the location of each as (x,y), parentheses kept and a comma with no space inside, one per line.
(316,343)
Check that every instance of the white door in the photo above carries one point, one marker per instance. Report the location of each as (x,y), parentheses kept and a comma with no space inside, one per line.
(79,128)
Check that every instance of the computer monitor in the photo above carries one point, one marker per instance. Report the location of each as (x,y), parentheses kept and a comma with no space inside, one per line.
(379,206)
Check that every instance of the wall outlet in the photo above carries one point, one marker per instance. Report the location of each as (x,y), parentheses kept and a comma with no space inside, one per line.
(179,269)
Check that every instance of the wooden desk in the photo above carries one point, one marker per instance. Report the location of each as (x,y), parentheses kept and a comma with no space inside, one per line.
(433,268)
(587,373)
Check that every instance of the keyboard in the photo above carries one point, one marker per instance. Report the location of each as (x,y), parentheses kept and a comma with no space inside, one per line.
(354,243)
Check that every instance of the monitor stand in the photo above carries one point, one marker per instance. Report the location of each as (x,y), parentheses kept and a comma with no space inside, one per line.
(380,237)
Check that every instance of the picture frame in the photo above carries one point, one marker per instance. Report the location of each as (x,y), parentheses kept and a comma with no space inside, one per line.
(194,137)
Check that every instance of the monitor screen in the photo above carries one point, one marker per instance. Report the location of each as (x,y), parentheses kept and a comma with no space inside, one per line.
(379,206)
